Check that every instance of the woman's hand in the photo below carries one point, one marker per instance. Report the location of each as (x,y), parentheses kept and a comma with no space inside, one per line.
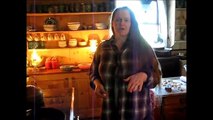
(136,82)
(99,89)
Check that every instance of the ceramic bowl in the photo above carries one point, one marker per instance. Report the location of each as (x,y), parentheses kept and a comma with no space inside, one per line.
(73,42)
(100,26)
(82,43)
(73,25)
(49,27)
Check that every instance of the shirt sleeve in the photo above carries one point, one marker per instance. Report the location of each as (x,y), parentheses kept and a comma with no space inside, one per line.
(93,74)
(153,71)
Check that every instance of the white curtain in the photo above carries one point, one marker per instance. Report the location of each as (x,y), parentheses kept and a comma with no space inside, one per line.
(162,13)
(171,22)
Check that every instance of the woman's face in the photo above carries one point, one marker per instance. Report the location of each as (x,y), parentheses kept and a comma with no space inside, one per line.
(121,23)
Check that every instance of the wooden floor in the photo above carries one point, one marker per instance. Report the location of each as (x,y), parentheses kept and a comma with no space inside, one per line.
(91,119)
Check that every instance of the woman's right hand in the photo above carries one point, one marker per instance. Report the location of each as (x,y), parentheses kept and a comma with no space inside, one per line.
(99,89)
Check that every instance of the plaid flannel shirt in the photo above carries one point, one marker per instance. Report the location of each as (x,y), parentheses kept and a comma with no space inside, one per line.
(110,66)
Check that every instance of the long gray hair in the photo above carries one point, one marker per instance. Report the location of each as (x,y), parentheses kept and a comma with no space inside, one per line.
(137,41)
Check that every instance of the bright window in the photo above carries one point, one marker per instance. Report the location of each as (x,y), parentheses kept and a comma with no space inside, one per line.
(152,27)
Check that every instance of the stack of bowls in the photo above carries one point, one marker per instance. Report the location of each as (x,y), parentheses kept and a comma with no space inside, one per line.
(50,24)
(62,43)
(100,26)
(49,27)
(73,25)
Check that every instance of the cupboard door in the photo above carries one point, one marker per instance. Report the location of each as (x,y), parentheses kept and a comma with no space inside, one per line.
(86,103)
(56,90)
(82,86)
(81,102)
(174,107)
(58,98)
(52,84)
(95,104)
(174,113)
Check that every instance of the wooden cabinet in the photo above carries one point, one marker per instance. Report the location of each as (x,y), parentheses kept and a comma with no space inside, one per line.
(180,25)
(170,105)
(180,30)
(57,90)
(86,104)
(174,107)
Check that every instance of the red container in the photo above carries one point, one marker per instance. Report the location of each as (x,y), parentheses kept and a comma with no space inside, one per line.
(55,63)
(48,63)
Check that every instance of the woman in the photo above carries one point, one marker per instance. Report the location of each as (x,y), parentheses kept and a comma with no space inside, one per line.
(123,70)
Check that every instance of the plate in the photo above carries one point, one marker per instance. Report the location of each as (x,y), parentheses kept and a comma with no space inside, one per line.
(84,66)
(66,68)
(50,21)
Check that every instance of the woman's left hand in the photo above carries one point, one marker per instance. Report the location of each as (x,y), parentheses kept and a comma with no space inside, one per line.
(136,82)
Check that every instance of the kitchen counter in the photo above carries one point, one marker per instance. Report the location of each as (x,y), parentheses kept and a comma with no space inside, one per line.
(178,86)
(57,87)
(43,71)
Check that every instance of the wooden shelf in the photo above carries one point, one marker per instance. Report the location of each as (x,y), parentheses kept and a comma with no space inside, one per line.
(68,14)
(68,31)
(77,47)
